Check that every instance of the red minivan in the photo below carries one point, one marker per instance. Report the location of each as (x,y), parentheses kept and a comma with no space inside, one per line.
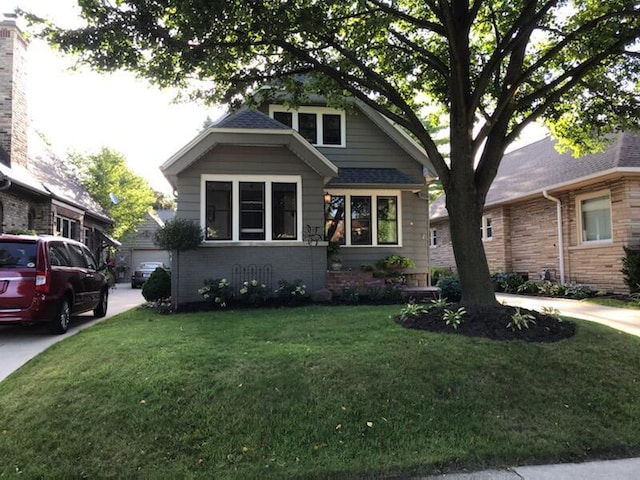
(48,279)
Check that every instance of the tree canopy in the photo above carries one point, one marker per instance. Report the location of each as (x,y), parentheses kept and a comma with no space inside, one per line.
(489,67)
(125,196)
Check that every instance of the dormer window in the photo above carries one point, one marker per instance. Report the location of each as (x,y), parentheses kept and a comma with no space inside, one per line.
(320,126)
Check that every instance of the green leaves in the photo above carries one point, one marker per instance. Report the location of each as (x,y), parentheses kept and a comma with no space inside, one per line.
(107,177)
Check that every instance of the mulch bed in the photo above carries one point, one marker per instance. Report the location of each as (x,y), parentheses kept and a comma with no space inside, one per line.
(491,322)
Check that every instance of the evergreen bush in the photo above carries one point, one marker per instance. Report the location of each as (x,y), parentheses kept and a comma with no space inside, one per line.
(157,286)
(631,269)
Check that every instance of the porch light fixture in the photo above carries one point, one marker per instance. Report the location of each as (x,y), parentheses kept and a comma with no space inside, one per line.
(327,197)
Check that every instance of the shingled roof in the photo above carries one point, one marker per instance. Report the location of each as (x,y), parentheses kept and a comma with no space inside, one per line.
(538,167)
(373,176)
(248,118)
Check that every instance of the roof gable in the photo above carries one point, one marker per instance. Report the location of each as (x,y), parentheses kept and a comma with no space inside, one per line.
(247,127)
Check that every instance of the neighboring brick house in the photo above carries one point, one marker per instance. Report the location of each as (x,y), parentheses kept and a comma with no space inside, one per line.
(37,190)
(268,185)
(596,198)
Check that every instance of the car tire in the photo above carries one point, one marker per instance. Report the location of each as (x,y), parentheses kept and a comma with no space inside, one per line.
(101,309)
(59,324)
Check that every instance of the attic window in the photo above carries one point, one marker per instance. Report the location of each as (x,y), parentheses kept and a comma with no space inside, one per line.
(320,126)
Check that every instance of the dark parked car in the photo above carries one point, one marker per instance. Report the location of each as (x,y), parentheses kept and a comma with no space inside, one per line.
(48,279)
(144,271)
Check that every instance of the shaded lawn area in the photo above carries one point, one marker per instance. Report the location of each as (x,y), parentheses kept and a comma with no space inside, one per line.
(312,392)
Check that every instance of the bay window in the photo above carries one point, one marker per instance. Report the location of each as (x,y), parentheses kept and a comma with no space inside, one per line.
(251,208)
(363,219)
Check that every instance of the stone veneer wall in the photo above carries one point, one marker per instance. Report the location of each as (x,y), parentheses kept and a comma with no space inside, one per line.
(15,214)
(13,99)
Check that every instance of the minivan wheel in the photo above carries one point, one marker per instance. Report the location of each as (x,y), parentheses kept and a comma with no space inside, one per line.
(101,310)
(60,323)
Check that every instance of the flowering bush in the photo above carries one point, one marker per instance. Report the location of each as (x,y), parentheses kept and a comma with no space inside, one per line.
(253,293)
(291,293)
(217,290)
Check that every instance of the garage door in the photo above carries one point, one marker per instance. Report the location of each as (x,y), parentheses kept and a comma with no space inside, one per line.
(139,256)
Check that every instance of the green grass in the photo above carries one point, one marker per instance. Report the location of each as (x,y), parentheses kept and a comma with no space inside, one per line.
(311,392)
(614,302)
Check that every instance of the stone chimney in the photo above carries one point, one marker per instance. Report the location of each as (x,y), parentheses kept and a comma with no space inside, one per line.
(13,99)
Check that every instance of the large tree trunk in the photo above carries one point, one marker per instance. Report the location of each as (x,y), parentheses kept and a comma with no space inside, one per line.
(465,220)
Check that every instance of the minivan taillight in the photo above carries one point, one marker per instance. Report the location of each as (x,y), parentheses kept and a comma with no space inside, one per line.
(42,282)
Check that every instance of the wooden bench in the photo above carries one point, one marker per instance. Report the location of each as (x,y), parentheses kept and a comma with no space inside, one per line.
(421,294)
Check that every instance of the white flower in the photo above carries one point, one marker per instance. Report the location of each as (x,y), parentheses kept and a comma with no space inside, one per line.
(254,283)
(244,290)
(218,300)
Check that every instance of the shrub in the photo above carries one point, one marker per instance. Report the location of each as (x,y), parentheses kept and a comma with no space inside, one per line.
(253,293)
(437,273)
(389,293)
(631,269)
(450,288)
(506,282)
(528,287)
(218,291)
(551,289)
(292,293)
(578,292)
(157,286)
(349,295)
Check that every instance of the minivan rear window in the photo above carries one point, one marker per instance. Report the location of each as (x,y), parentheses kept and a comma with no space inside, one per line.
(17,255)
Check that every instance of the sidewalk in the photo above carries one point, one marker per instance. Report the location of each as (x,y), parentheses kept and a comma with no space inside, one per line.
(626,320)
(628,469)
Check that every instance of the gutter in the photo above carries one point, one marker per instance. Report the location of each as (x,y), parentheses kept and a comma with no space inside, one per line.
(546,195)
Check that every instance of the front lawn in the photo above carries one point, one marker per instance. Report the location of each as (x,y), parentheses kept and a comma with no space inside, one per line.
(312,392)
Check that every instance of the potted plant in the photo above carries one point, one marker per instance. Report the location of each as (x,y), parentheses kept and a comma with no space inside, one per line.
(394,263)
(333,256)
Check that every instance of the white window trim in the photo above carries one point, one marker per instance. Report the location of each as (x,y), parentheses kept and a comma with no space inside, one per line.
(235,181)
(587,196)
(485,221)
(374,194)
(433,235)
(319,111)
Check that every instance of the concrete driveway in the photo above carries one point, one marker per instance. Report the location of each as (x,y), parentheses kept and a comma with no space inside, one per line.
(18,344)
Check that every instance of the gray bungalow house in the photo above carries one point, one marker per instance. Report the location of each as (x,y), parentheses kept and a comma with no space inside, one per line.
(549,215)
(270,186)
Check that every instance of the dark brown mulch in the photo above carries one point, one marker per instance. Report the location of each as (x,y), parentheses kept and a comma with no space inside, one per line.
(491,322)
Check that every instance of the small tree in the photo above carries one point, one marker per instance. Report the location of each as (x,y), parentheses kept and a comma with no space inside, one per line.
(631,269)
(179,235)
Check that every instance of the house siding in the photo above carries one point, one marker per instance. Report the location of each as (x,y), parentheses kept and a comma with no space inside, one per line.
(304,261)
(525,238)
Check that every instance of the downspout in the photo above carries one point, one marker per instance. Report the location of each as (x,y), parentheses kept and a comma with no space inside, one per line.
(546,195)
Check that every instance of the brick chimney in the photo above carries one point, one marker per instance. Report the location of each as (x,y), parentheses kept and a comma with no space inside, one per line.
(13,99)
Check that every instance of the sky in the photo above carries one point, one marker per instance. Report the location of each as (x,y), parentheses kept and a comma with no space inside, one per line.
(83,111)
